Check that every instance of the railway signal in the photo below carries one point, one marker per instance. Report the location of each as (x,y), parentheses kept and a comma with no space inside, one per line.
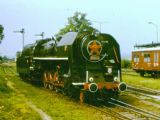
(22,31)
(41,34)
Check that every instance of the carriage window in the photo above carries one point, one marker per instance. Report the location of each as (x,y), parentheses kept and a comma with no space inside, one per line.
(136,58)
(146,57)
(156,57)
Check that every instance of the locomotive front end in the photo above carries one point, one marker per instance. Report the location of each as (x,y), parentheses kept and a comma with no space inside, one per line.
(102,66)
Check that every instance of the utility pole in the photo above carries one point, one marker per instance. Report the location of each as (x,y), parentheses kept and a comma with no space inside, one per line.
(156,26)
(100,24)
(22,31)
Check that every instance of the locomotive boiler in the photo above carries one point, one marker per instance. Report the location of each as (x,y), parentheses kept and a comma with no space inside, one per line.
(83,65)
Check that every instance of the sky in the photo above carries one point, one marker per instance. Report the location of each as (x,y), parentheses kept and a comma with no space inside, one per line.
(126,20)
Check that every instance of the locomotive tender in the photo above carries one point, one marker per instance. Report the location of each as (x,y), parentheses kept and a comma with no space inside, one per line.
(83,65)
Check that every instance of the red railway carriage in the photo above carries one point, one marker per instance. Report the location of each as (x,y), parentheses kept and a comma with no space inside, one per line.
(146,59)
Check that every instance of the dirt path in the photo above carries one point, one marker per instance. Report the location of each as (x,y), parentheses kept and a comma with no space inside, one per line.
(41,113)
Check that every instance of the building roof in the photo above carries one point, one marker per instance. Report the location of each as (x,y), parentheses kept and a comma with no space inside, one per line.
(146,49)
(149,45)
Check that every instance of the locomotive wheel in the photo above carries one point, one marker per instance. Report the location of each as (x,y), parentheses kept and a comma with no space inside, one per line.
(45,85)
(56,89)
(65,91)
(70,91)
(50,86)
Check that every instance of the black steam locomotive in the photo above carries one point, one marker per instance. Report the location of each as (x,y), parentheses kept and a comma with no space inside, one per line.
(83,65)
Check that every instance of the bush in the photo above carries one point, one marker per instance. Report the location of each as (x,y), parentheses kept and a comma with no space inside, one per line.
(126,63)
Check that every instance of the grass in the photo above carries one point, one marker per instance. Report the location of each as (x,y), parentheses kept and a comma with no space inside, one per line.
(13,102)
(12,106)
(145,81)
(58,106)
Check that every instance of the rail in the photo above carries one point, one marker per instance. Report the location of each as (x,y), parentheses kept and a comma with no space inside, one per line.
(135,110)
(109,111)
(143,90)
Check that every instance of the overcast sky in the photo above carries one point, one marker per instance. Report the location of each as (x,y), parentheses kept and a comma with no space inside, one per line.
(126,20)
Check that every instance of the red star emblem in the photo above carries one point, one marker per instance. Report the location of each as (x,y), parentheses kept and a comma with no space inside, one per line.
(95,48)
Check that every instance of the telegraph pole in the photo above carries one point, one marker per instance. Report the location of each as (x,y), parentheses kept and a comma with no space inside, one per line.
(100,24)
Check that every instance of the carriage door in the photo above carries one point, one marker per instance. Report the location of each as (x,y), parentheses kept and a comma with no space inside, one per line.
(155,64)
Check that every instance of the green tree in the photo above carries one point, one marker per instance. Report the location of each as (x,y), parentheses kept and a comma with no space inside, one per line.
(126,63)
(77,23)
(1,58)
(1,33)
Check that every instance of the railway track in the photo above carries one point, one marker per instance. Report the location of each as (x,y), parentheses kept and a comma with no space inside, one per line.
(125,111)
(3,70)
(109,111)
(132,112)
(143,90)
(8,70)
(129,72)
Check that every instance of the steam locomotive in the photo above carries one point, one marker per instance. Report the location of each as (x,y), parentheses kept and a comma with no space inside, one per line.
(83,65)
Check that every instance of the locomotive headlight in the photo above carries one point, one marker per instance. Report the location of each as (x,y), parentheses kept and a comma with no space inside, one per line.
(109,70)
(116,79)
(91,79)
